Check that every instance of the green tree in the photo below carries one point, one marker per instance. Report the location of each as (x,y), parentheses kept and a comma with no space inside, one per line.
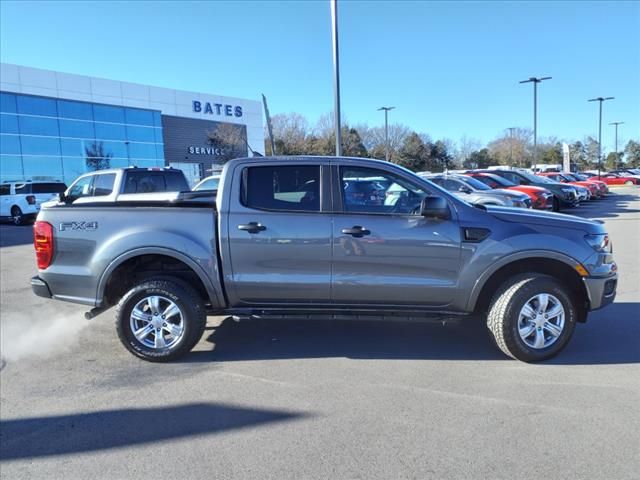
(352,145)
(612,161)
(440,156)
(632,154)
(413,153)
(550,154)
(95,156)
(480,159)
(591,148)
(578,155)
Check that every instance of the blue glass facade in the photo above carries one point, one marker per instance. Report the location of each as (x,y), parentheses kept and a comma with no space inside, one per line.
(49,138)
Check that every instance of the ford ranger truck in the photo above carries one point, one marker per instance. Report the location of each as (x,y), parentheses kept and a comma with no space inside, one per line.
(284,236)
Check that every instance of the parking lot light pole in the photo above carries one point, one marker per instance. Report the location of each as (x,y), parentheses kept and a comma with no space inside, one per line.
(618,162)
(336,75)
(600,99)
(535,82)
(511,129)
(386,131)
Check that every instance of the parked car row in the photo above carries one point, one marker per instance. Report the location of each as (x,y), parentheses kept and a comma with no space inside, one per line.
(547,190)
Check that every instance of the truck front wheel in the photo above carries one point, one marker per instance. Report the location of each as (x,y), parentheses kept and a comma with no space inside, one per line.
(532,317)
(160,320)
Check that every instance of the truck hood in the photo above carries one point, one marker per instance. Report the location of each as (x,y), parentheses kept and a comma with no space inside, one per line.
(541,217)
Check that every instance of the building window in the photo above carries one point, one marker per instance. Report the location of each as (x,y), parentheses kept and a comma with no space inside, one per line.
(38,126)
(107,113)
(40,145)
(135,116)
(76,129)
(10,144)
(140,134)
(8,123)
(37,106)
(7,102)
(109,131)
(77,110)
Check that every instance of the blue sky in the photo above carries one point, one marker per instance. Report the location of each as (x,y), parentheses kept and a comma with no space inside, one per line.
(449,68)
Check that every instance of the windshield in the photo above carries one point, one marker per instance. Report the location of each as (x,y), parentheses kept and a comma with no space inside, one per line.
(503,182)
(536,178)
(478,185)
(208,184)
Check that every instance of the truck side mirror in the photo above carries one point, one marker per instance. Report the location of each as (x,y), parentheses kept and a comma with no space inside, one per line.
(434,207)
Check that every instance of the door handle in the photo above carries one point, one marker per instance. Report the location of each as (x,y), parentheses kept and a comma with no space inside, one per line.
(356,231)
(252,227)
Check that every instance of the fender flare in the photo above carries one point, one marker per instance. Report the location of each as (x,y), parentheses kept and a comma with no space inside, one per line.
(213,291)
(514,257)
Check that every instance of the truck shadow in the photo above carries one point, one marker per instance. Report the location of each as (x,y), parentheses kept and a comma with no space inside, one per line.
(609,337)
(28,438)
(12,235)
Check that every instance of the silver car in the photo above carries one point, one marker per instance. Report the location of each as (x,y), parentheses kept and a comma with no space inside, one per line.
(473,191)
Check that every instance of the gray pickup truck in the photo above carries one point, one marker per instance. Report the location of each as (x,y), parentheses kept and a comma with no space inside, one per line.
(289,236)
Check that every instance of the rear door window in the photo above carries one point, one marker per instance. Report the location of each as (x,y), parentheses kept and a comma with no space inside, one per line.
(53,187)
(285,188)
(103,184)
(5,189)
(23,188)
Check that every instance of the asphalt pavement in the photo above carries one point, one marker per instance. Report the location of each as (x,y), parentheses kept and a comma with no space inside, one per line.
(306,399)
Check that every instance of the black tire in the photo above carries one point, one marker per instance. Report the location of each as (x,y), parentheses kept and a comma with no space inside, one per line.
(17,216)
(185,298)
(504,312)
(556,204)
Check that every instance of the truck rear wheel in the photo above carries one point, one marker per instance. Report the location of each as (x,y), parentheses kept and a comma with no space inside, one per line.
(532,317)
(160,320)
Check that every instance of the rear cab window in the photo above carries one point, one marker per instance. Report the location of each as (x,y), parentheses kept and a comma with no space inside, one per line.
(282,188)
(155,181)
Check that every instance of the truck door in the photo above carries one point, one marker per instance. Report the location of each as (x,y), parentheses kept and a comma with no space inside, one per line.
(278,235)
(384,251)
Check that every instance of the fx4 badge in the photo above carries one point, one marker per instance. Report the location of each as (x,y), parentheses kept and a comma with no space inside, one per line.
(78,226)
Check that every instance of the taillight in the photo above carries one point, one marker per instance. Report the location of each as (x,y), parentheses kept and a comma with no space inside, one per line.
(31,200)
(43,243)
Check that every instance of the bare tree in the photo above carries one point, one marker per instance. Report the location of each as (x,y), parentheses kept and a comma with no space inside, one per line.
(290,132)
(512,149)
(229,140)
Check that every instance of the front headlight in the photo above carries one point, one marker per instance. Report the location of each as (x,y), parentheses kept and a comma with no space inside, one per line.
(567,189)
(598,241)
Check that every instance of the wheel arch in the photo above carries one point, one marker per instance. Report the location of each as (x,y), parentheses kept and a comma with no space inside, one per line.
(176,263)
(554,264)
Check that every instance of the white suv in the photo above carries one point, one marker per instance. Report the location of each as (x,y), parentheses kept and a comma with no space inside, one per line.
(21,201)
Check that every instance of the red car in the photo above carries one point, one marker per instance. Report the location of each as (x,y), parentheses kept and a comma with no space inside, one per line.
(583,178)
(564,178)
(541,198)
(616,179)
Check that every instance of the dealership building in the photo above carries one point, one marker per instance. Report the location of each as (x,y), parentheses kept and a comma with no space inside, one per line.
(57,125)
